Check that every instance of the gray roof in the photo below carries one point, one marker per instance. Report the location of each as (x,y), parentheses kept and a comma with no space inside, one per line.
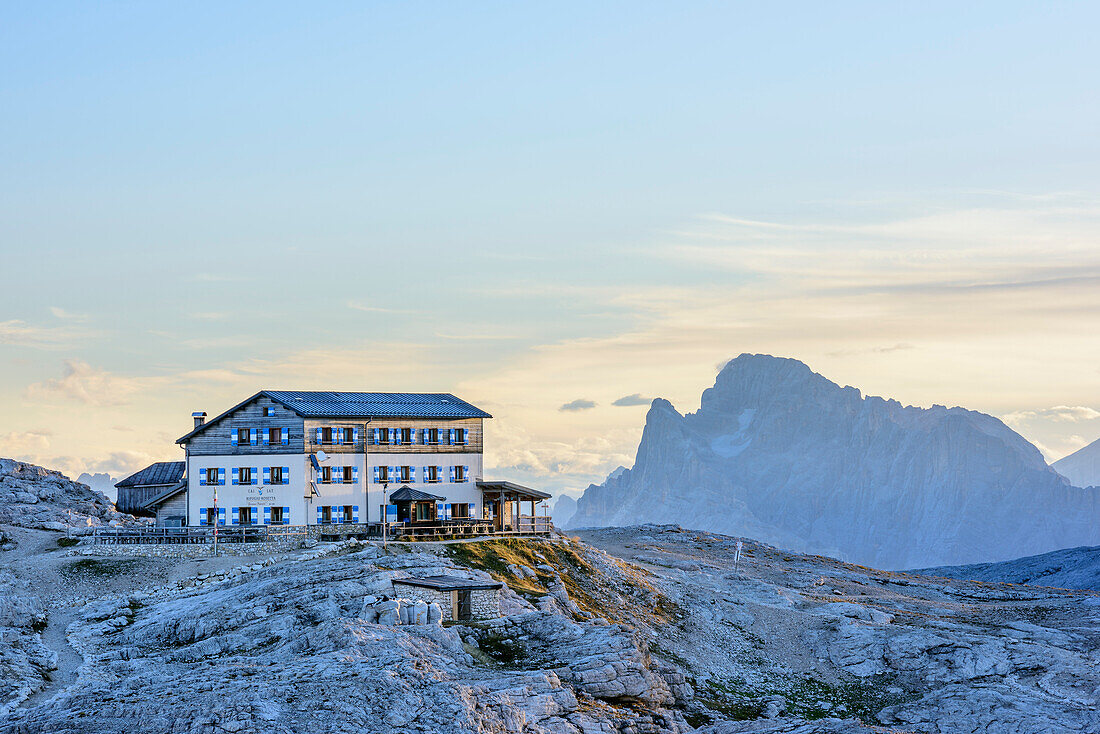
(512,488)
(447,583)
(405,494)
(153,502)
(375,404)
(162,472)
(311,404)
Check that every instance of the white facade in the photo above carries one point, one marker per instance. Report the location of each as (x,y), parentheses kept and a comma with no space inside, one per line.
(304,494)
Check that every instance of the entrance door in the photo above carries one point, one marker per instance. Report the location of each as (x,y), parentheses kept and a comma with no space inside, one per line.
(464,607)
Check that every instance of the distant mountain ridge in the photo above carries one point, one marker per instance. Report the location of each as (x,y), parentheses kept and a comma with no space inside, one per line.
(1082,467)
(780,453)
(1070,568)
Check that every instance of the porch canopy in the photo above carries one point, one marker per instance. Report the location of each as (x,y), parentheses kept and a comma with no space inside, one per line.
(504,499)
(414,506)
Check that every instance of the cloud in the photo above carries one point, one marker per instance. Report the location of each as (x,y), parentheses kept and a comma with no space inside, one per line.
(1060,413)
(869,350)
(20,333)
(20,443)
(356,306)
(67,315)
(631,400)
(85,384)
(578,404)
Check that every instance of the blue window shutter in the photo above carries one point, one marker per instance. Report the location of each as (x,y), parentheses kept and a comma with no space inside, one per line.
(451,437)
(255,474)
(253,436)
(318,434)
(439,474)
(284,436)
(286,516)
(465,473)
(236,516)
(221,477)
(221,516)
(202,517)
(267,516)
(337,475)
(470,511)
(355,513)
(391,513)
(236,476)
(394,435)
(447,511)
(266,438)
(202,477)
(233,437)
(320,515)
(267,475)
(355,475)
(452,474)
(355,435)
(286,475)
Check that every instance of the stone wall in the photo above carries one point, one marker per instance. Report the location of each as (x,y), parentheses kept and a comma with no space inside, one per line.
(484,603)
(179,550)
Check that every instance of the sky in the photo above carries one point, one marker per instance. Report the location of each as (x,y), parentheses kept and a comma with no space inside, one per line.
(557,212)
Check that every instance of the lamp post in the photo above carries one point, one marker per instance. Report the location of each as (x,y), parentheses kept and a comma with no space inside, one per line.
(385,520)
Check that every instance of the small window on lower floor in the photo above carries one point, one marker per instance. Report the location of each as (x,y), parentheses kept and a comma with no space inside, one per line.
(460,510)
(245,515)
(326,474)
(277,516)
(326,515)
(345,511)
(211,476)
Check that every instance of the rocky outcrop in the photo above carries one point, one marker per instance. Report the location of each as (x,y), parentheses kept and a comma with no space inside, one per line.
(319,645)
(780,453)
(34,497)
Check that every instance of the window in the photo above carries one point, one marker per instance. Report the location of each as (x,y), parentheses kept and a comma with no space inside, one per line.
(383,436)
(245,515)
(346,512)
(326,515)
(277,516)
(460,510)
(211,515)
(460,474)
(383,473)
(326,474)
(424,510)
(460,436)
(406,436)
(274,435)
(406,474)
(211,476)
(433,436)
(276,474)
(269,412)
(326,435)
(245,475)
(347,474)
(433,473)
(244,435)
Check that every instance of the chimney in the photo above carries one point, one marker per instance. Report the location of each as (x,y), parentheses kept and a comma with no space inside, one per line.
(200,418)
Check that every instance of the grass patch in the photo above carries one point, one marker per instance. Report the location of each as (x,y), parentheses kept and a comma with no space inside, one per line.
(587,585)
(501,649)
(99,568)
(64,542)
(806,697)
